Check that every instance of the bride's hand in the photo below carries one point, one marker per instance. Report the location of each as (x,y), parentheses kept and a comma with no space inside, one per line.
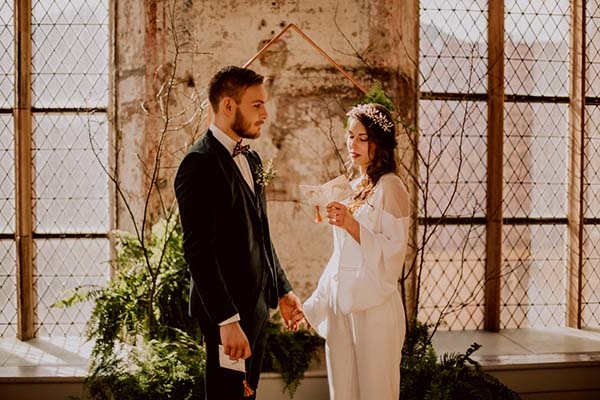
(338,214)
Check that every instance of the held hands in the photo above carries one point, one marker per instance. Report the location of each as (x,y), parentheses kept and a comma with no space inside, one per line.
(290,308)
(235,342)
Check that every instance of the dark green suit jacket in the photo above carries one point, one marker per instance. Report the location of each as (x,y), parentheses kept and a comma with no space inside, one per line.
(226,240)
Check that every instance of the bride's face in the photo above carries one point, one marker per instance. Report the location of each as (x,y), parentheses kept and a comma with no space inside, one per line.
(358,144)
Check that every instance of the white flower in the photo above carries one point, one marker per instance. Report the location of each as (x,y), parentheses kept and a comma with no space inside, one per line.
(265,173)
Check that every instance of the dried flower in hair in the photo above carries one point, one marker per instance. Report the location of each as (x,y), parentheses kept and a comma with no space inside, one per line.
(373,114)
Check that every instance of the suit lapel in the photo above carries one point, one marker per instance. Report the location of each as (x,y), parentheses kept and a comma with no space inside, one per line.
(230,164)
(254,162)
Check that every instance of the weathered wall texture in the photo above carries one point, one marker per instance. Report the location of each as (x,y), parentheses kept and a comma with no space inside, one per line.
(372,40)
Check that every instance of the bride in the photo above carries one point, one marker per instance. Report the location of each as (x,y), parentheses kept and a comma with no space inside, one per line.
(357,306)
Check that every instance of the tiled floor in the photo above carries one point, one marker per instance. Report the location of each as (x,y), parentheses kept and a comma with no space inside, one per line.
(67,357)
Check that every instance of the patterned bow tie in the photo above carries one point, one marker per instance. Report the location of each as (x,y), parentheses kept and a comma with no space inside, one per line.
(240,149)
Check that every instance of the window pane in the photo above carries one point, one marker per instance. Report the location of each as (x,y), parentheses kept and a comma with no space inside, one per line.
(592,50)
(61,266)
(592,163)
(537,47)
(453,46)
(7,59)
(453,275)
(70,53)
(533,276)
(453,158)
(70,152)
(8,289)
(536,160)
(590,302)
(7,175)
(590,313)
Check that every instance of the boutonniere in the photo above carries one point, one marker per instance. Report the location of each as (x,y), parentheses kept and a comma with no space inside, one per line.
(264,173)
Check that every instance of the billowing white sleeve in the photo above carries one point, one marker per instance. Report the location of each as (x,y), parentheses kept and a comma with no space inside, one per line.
(315,312)
(383,243)
(316,307)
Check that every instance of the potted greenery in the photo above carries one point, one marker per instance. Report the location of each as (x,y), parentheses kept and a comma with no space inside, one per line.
(290,353)
(145,344)
(161,356)
(451,377)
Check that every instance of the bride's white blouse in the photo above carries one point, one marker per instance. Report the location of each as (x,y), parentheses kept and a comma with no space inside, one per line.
(361,276)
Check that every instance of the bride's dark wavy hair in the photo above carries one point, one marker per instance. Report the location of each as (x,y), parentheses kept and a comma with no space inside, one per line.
(383,154)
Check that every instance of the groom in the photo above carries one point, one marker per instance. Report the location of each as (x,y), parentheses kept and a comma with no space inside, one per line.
(235,274)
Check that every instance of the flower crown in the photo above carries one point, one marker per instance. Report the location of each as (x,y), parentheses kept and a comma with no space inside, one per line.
(374,115)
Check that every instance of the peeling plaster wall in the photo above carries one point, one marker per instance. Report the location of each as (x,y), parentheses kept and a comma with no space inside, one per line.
(304,135)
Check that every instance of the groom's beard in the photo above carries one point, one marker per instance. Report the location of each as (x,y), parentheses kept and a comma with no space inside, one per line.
(242,127)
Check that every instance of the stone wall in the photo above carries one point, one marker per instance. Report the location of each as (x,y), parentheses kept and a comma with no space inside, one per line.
(165,52)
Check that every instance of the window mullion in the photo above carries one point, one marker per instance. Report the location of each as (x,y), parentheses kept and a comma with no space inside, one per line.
(576,170)
(23,170)
(495,158)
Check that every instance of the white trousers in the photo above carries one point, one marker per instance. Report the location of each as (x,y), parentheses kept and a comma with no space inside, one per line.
(364,350)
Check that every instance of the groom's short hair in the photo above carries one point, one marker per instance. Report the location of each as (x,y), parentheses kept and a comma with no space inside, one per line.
(231,81)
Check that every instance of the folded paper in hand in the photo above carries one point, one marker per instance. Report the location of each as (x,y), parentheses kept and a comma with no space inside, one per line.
(336,189)
(226,362)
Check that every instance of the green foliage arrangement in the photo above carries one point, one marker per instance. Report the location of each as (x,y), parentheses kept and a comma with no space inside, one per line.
(377,95)
(148,295)
(290,353)
(453,377)
(145,344)
(157,370)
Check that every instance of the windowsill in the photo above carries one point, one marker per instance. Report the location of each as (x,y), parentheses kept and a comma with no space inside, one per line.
(512,348)
(66,358)
(52,357)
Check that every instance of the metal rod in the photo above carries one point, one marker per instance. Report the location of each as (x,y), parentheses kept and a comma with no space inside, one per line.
(314,45)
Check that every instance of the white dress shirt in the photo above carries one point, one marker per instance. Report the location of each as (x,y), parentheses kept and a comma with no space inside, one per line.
(241,161)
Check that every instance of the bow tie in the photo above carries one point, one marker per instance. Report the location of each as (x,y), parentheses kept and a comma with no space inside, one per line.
(240,149)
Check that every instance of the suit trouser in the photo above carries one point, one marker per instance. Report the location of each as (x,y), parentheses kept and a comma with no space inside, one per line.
(227,384)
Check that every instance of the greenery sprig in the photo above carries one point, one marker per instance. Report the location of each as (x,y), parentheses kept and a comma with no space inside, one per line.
(377,95)
(290,352)
(265,173)
(453,377)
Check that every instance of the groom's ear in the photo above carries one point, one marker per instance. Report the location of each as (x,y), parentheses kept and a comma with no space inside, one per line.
(226,105)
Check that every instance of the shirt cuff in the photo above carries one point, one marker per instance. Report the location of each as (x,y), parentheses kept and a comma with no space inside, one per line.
(235,318)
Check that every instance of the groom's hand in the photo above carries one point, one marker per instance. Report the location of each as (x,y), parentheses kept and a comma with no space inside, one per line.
(290,308)
(234,340)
